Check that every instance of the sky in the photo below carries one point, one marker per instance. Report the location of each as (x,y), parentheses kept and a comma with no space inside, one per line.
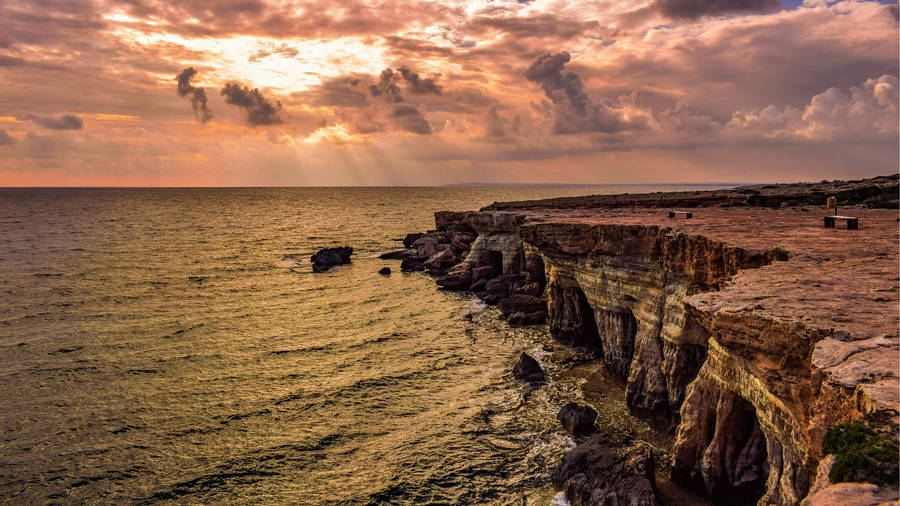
(321,93)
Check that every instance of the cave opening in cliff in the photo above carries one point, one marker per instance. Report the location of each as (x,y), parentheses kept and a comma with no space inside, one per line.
(572,319)
(495,260)
(746,467)
(618,333)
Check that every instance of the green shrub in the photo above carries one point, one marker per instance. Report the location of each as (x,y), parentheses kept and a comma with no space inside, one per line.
(865,451)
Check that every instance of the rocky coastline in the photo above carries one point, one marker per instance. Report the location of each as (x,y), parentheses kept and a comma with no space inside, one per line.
(748,330)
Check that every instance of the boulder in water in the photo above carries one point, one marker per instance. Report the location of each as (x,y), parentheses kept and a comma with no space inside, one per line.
(330,257)
(528,369)
(577,419)
(410,239)
(412,264)
(603,471)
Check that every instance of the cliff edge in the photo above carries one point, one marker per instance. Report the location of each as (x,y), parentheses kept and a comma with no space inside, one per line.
(748,329)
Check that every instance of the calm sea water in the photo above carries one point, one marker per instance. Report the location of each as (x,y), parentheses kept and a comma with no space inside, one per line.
(173,345)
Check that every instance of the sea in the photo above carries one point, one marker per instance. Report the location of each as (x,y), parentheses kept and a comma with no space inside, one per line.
(173,345)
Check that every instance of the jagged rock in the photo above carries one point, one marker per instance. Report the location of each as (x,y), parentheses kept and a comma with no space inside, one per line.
(385,271)
(488,298)
(521,304)
(398,255)
(577,419)
(485,273)
(497,287)
(440,260)
(459,277)
(533,289)
(521,318)
(410,239)
(429,244)
(478,286)
(528,369)
(412,265)
(600,471)
(327,258)
(452,221)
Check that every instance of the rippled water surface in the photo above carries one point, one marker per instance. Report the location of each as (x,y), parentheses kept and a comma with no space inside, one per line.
(173,345)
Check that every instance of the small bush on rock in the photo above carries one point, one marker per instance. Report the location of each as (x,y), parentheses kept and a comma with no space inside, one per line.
(865,450)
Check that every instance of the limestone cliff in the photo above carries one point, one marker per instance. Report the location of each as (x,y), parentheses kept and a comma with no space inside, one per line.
(747,331)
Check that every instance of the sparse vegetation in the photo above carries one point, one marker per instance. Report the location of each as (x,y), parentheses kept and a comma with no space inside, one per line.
(865,450)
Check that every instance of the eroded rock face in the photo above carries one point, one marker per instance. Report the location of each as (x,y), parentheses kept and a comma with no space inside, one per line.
(604,471)
(750,357)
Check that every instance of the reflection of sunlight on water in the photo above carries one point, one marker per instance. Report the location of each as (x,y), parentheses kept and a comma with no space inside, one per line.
(174,345)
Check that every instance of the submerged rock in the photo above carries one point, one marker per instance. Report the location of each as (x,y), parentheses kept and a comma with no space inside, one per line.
(385,271)
(601,471)
(528,369)
(398,255)
(577,419)
(330,257)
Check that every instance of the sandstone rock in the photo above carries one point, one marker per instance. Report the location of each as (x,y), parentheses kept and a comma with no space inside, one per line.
(577,419)
(532,289)
(521,304)
(528,369)
(600,471)
(440,260)
(412,265)
(459,277)
(327,258)
(497,287)
(410,239)
(520,318)
(385,271)
(485,273)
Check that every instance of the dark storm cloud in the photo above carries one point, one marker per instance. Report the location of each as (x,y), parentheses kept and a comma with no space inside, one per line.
(196,94)
(6,139)
(693,9)
(407,117)
(64,122)
(419,85)
(386,87)
(574,112)
(260,110)
(387,106)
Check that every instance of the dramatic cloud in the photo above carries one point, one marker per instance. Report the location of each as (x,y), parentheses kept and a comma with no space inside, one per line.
(64,122)
(197,95)
(574,110)
(417,85)
(434,92)
(260,110)
(387,105)
(6,139)
(697,8)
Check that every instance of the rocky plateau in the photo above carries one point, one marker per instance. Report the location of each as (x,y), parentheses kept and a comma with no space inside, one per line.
(748,330)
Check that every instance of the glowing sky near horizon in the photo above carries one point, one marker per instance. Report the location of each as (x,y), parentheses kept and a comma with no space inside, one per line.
(488,91)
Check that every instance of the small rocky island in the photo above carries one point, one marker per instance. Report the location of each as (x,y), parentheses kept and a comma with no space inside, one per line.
(767,343)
